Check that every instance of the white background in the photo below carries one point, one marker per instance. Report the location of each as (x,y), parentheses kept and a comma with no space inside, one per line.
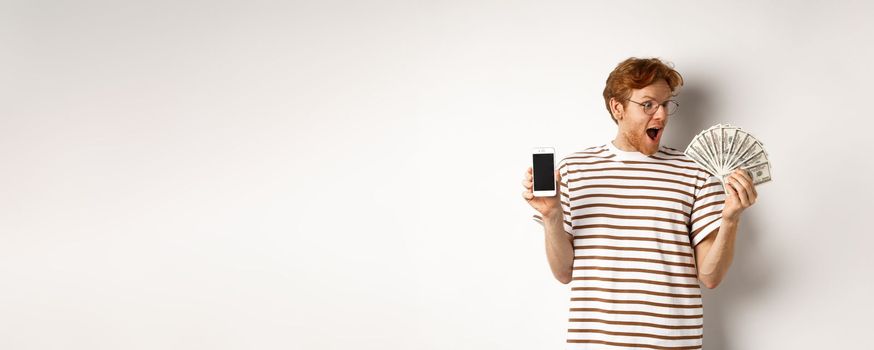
(346,174)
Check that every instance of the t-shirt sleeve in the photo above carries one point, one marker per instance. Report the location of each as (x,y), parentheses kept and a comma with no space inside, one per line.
(707,209)
(564,197)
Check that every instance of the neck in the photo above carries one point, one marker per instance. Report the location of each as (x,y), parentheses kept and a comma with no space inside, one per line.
(622,143)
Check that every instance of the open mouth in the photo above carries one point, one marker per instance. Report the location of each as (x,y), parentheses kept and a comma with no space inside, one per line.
(653,133)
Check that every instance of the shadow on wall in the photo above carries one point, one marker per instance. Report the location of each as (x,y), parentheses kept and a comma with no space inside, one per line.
(751,270)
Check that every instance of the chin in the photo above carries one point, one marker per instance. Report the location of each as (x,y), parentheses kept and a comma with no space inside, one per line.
(645,144)
(650,148)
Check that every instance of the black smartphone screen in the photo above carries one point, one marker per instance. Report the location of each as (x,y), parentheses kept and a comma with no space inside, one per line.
(544,179)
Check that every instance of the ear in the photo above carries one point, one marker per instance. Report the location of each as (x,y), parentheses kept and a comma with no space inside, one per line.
(616,109)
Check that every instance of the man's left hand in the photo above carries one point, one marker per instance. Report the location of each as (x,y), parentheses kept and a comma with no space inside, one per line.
(740,194)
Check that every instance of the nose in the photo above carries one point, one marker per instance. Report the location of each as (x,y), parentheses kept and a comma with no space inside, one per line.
(661,113)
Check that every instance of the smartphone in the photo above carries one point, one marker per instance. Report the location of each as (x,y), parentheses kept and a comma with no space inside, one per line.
(543,159)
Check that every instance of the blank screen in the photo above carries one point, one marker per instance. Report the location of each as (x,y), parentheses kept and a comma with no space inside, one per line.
(543,172)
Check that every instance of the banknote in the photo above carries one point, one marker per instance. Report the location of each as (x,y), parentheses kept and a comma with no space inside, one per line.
(724,148)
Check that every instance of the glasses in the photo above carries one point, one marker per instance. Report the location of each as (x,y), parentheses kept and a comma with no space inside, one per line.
(650,107)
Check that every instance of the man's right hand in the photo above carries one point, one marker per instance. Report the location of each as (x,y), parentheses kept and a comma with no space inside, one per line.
(546,206)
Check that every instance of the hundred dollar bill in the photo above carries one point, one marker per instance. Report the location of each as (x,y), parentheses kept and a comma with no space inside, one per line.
(753,150)
(758,158)
(760,173)
(698,158)
(737,137)
(717,141)
(708,145)
(727,141)
(699,146)
(745,141)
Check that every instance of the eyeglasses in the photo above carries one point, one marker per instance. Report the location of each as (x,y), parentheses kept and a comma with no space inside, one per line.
(650,107)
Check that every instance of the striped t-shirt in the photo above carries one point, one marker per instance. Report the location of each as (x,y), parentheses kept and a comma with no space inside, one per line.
(635,220)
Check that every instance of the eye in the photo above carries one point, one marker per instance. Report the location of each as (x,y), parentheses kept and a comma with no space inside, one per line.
(648,105)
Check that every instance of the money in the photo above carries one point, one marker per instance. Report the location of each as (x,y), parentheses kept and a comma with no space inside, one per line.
(723,148)
(760,173)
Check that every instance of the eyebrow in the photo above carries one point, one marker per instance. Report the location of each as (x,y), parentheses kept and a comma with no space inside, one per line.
(653,98)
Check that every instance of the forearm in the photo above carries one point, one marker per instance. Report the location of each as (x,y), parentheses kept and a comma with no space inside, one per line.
(559,248)
(714,266)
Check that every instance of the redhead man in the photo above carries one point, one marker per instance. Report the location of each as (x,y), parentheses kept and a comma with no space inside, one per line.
(636,225)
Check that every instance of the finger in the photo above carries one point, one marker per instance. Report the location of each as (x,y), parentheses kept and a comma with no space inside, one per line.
(749,189)
(530,170)
(748,184)
(730,192)
(741,191)
(749,177)
(746,175)
(557,182)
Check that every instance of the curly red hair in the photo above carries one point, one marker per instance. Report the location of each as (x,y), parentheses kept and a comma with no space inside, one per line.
(637,73)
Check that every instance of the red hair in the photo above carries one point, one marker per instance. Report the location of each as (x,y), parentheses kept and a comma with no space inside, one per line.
(637,73)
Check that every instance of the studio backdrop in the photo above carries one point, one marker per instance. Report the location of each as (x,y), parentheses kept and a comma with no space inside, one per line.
(347,174)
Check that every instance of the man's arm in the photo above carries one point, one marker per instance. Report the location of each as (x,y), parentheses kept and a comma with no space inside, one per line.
(559,247)
(714,254)
(559,244)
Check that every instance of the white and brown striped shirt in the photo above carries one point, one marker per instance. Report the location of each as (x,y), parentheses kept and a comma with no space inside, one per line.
(635,220)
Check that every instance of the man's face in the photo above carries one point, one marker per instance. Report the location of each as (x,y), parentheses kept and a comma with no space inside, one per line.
(640,130)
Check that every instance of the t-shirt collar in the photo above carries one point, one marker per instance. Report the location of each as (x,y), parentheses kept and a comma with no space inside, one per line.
(626,155)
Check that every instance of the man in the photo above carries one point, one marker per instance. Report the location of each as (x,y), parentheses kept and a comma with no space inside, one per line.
(635,225)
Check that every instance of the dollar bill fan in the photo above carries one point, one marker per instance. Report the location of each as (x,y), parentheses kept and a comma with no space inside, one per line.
(722,148)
